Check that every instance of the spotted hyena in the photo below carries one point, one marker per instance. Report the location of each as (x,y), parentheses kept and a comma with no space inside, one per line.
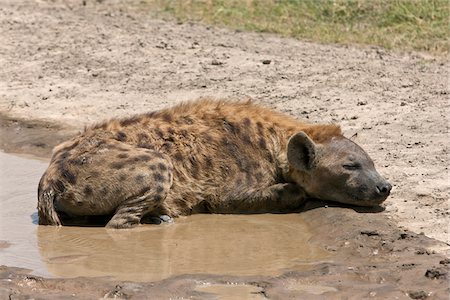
(203,156)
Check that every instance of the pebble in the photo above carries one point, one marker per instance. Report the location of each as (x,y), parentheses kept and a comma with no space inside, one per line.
(418,295)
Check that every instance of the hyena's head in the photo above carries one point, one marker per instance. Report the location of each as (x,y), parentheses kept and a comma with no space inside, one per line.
(337,170)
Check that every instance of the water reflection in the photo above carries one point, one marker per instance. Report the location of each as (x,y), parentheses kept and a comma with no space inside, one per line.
(214,244)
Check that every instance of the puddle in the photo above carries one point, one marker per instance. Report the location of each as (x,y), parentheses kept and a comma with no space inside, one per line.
(232,291)
(263,244)
(18,188)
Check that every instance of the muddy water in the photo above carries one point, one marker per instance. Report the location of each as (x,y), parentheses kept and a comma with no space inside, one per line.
(215,244)
(18,188)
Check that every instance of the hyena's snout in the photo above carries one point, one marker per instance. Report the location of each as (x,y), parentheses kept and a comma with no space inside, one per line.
(383,189)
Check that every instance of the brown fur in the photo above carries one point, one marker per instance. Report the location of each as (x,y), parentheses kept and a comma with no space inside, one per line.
(207,155)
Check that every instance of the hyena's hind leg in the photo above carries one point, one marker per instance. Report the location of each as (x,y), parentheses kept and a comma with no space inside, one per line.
(149,199)
(130,212)
(159,219)
(101,177)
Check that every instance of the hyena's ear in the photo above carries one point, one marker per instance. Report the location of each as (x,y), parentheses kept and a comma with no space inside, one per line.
(301,152)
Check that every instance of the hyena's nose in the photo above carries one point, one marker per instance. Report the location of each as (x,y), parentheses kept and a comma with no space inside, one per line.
(384,189)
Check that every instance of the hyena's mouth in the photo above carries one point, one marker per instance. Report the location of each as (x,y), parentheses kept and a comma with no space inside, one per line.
(372,202)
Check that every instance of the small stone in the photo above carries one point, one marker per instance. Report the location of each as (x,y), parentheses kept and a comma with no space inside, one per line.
(407,84)
(408,266)
(216,62)
(436,273)
(404,236)
(266,62)
(331,248)
(418,295)
(369,232)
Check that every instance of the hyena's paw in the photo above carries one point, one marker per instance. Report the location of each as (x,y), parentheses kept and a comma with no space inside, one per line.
(122,222)
(157,219)
(290,196)
(291,192)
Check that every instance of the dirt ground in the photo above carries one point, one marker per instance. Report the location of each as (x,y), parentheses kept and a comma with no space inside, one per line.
(66,64)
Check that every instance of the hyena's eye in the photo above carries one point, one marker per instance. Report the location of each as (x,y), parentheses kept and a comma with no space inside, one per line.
(352,166)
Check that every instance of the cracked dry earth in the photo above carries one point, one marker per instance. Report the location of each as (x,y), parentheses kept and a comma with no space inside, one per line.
(66,65)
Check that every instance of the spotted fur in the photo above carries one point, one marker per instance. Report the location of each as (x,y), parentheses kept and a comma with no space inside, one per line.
(206,155)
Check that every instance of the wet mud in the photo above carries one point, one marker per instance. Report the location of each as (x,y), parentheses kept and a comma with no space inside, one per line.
(322,252)
(35,137)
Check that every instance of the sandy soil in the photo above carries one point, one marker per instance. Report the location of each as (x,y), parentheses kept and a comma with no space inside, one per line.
(71,64)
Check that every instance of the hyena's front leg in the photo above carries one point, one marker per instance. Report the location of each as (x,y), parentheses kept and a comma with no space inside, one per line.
(279,197)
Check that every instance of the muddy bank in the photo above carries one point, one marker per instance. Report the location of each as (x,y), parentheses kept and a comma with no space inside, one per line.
(33,137)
